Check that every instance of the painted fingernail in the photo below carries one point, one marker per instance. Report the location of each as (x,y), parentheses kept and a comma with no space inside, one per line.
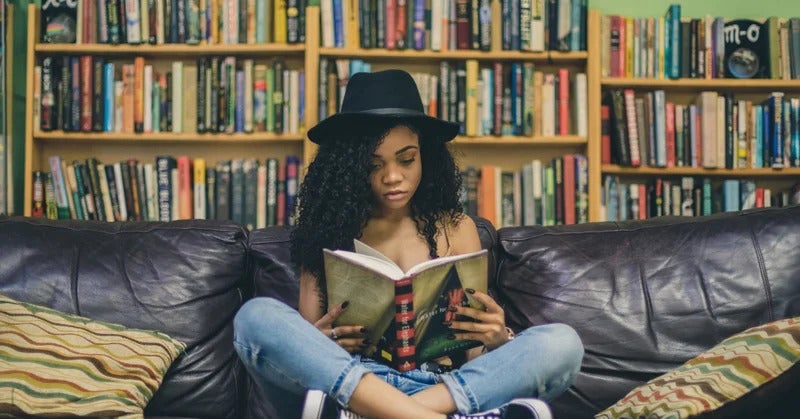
(448,324)
(345,304)
(363,330)
(451,336)
(470,290)
(452,308)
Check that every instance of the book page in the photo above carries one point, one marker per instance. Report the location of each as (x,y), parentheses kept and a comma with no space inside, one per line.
(364,249)
(371,295)
(380,265)
(445,260)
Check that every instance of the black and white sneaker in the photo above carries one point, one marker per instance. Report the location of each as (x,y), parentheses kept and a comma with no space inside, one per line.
(318,406)
(515,409)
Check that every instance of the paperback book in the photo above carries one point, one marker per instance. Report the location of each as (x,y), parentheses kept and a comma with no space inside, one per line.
(405,313)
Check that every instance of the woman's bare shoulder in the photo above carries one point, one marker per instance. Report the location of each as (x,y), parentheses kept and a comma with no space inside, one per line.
(463,234)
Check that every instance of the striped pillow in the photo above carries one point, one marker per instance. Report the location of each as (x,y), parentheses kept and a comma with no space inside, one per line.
(744,372)
(57,364)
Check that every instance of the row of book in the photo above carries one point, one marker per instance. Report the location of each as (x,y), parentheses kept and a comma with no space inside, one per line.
(706,47)
(174,21)
(441,25)
(218,94)
(539,193)
(688,196)
(716,131)
(503,98)
(254,193)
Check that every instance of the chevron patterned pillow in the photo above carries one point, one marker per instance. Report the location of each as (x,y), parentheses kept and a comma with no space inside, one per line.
(749,366)
(55,364)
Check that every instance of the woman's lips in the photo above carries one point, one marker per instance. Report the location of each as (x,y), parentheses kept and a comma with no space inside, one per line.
(395,195)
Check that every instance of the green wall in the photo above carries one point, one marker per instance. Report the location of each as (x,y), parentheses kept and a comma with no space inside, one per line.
(733,9)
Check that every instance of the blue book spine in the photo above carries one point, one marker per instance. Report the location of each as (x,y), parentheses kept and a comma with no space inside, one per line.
(758,152)
(338,29)
(239,120)
(776,129)
(301,107)
(419,24)
(674,41)
(661,130)
(261,25)
(575,26)
(108,97)
(795,132)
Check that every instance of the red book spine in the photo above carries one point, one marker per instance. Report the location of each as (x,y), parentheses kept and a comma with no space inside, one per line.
(405,347)
(669,111)
(87,70)
(391,23)
(462,25)
(563,101)
(605,134)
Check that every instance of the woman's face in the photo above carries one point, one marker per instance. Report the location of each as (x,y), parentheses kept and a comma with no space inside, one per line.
(396,170)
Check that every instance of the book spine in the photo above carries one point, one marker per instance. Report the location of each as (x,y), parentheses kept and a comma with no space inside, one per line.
(405,349)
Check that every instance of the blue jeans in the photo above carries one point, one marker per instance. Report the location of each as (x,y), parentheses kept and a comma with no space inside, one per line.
(278,346)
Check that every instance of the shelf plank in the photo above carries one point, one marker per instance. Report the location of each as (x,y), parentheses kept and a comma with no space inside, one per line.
(165,137)
(701,84)
(566,140)
(170,49)
(699,171)
(401,55)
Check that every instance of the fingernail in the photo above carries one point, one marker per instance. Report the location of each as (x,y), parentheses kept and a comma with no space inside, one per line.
(367,341)
(470,290)
(452,308)
(363,330)
(448,324)
(451,336)
(345,304)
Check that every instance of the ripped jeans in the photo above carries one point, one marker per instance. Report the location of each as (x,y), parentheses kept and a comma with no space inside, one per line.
(278,346)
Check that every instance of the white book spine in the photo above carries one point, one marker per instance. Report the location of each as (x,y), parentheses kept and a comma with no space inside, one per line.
(436,24)
(177,96)
(119,111)
(148,98)
(261,196)
(123,205)
(160,22)
(294,103)
(132,22)
(326,13)
(151,186)
(104,191)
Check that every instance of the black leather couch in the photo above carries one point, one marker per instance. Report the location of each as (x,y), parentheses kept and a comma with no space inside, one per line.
(644,296)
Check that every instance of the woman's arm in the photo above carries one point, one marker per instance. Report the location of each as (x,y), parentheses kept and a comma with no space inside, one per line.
(309,303)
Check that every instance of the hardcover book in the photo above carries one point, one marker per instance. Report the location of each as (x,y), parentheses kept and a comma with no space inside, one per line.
(404,312)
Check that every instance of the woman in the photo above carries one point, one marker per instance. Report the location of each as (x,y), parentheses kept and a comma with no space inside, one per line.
(383,174)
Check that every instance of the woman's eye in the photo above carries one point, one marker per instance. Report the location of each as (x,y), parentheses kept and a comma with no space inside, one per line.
(373,167)
(407,162)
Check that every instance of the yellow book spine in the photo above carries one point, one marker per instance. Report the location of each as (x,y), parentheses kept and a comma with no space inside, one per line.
(279,7)
(472,98)
(628,47)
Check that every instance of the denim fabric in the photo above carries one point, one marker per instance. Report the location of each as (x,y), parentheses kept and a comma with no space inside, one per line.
(278,346)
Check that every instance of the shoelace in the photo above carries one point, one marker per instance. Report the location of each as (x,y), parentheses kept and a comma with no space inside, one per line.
(347,414)
(492,414)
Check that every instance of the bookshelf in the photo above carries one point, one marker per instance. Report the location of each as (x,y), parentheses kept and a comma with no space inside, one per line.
(146,146)
(737,142)
(507,151)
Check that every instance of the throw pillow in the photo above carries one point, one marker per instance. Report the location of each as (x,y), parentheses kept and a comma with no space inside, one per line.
(744,372)
(58,364)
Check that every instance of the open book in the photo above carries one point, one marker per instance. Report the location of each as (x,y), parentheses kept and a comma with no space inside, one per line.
(404,312)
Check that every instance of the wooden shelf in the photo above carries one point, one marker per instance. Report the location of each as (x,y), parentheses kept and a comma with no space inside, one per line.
(699,171)
(166,137)
(402,55)
(702,84)
(170,49)
(566,140)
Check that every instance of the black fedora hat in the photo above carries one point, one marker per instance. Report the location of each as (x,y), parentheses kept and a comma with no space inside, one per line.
(388,94)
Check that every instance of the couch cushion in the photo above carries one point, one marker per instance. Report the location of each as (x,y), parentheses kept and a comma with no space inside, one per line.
(275,276)
(645,296)
(740,376)
(181,278)
(59,364)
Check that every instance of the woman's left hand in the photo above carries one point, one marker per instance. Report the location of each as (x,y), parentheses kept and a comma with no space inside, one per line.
(489,326)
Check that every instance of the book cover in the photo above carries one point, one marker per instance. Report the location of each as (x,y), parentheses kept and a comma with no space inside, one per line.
(747,54)
(374,286)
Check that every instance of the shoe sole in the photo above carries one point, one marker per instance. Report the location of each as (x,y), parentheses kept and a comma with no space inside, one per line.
(539,408)
(313,405)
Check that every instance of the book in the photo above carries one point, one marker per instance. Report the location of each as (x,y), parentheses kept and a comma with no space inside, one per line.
(404,312)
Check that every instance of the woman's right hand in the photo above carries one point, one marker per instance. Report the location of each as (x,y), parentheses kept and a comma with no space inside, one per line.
(349,337)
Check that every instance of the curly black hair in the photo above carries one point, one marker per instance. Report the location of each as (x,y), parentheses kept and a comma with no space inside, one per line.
(335,199)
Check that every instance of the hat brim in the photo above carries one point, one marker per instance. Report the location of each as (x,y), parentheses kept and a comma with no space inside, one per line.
(347,122)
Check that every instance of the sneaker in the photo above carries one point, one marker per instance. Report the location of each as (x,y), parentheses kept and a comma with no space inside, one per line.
(515,409)
(317,405)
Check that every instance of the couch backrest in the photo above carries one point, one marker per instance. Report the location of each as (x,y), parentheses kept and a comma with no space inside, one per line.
(182,278)
(645,296)
(275,276)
